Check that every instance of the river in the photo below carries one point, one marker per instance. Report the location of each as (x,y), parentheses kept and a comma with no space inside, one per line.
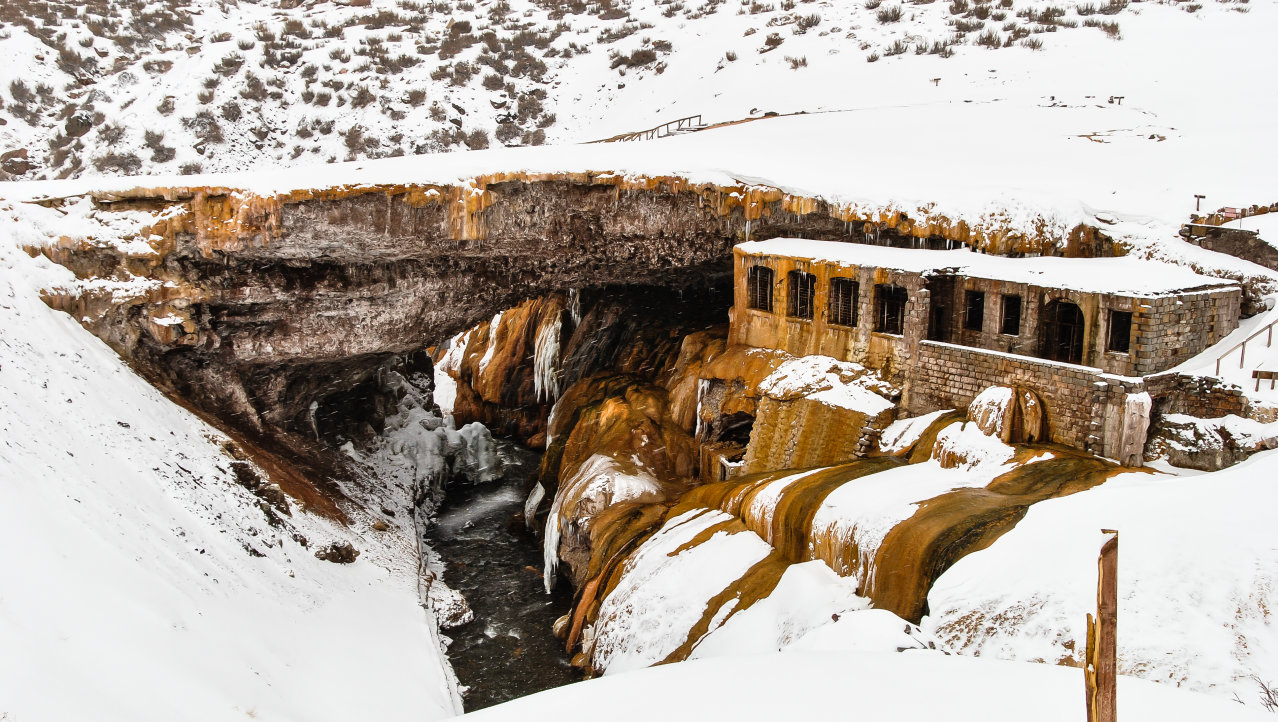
(509,650)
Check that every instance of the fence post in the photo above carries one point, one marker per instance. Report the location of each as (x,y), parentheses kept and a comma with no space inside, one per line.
(1100,666)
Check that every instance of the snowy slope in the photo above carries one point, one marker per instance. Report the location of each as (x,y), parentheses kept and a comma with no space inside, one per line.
(325,81)
(140,582)
(909,687)
(1197,572)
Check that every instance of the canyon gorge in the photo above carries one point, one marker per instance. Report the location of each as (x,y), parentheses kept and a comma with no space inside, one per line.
(598,321)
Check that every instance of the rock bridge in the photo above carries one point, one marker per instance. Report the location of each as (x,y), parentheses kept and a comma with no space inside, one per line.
(256,306)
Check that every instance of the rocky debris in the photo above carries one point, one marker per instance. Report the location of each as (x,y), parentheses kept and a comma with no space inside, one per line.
(1208,444)
(450,607)
(15,163)
(338,552)
(248,477)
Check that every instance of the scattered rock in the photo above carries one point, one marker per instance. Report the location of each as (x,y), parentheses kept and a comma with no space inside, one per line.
(561,627)
(16,162)
(78,124)
(337,552)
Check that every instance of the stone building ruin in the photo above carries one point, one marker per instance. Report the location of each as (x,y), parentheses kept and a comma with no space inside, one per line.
(1094,338)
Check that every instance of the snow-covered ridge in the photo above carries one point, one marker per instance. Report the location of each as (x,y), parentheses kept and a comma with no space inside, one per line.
(127,87)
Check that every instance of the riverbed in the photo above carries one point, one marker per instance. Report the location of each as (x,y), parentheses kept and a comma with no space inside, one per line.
(509,650)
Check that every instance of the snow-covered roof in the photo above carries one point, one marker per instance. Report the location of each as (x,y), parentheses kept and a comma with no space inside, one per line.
(1123,275)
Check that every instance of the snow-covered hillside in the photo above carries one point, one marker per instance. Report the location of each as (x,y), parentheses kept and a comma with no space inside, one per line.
(214,85)
(143,577)
(909,687)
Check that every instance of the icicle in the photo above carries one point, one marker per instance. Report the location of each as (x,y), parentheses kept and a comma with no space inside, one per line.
(532,503)
(747,230)
(546,360)
(492,344)
(574,306)
(550,549)
(314,423)
(702,385)
(550,423)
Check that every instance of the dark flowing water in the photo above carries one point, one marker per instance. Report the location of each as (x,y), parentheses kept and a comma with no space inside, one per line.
(509,650)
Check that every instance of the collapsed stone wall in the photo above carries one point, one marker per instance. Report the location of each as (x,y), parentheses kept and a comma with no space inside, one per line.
(1206,397)
(1241,244)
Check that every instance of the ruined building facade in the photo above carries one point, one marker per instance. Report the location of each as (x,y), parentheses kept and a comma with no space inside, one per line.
(1090,337)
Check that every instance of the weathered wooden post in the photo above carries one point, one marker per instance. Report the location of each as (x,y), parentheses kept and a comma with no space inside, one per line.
(1100,667)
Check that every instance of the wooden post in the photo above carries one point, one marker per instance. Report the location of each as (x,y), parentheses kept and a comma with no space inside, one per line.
(1100,667)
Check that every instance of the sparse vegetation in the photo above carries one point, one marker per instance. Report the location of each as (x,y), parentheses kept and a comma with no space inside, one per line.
(890,14)
(1108,26)
(414,50)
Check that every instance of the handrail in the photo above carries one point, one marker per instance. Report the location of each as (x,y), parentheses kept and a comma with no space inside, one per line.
(1242,358)
(654,132)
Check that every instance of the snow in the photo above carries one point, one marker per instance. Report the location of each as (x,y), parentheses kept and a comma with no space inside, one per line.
(492,345)
(842,384)
(446,370)
(664,589)
(1265,225)
(1198,436)
(910,687)
(863,511)
(142,583)
(971,447)
(1124,275)
(809,597)
(1039,146)
(1197,571)
(764,499)
(904,433)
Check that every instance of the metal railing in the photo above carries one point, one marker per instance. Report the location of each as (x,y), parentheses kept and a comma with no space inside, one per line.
(1242,357)
(692,122)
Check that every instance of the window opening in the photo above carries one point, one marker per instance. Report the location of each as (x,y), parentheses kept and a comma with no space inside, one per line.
(974,311)
(844,297)
(802,290)
(1120,331)
(1011,315)
(1063,332)
(759,288)
(889,308)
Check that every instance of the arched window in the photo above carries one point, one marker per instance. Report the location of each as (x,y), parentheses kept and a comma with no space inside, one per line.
(844,293)
(889,308)
(759,288)
(1062,338)
(802,291)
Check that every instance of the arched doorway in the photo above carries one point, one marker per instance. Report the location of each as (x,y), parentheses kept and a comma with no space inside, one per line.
(1062,334)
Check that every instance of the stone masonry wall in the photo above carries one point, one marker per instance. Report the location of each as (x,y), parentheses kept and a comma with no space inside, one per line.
(1170,329)
(949,377)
